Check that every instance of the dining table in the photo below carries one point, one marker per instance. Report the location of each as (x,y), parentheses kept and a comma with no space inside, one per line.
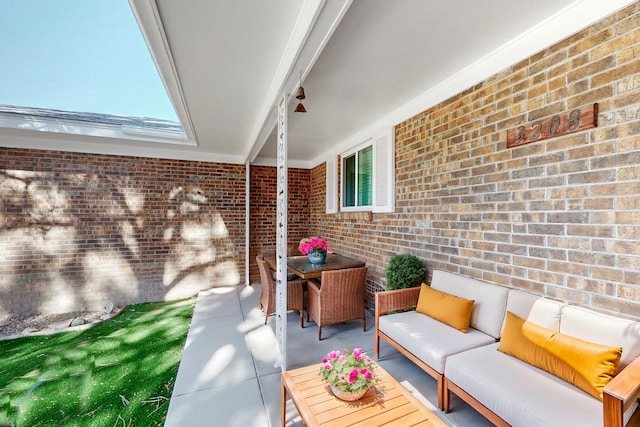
(301,267)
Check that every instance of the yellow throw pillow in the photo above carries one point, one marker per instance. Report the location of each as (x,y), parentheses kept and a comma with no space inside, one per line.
(586,365)
(446,308)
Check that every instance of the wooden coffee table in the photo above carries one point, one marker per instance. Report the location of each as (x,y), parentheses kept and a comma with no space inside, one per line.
(388,403)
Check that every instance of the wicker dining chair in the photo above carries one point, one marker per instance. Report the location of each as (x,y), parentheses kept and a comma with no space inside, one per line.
(339,298)
(295,292)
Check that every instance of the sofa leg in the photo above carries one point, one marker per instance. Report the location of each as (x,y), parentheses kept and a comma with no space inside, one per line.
(441,392)
(446,398)
(376,345)
(319,333)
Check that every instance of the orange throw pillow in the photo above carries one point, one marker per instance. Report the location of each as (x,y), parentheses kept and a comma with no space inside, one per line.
(588,366)
(446,308)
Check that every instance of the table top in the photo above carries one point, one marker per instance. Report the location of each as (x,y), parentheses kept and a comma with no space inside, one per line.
(387,403)
(301,266)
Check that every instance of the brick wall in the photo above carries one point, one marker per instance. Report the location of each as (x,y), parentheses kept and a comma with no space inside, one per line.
(79,230)
(558,217)
(263,212)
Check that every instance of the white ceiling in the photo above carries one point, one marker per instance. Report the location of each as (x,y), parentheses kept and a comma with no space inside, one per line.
(367,64)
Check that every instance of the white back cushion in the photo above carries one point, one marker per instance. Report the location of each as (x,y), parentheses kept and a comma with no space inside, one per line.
(603,329)
(541,311)
(546,312)
(490,300)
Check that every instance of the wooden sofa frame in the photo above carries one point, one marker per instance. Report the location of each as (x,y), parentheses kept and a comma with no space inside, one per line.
(619,394)
(399,300)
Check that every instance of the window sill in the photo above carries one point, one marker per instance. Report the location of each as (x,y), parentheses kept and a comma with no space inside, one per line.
(356,215)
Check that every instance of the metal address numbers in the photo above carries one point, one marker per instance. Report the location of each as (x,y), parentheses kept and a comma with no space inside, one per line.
(553,126)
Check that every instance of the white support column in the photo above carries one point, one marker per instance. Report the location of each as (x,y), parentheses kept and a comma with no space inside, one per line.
(281,237)
(247,224)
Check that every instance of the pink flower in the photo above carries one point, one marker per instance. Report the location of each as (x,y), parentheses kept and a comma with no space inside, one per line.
(333,355)
(342,377)
(357,353)
(353,375)
(313,244)
(327,366)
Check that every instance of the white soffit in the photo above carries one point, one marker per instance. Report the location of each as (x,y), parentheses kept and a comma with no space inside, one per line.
(570,20)
(315,27)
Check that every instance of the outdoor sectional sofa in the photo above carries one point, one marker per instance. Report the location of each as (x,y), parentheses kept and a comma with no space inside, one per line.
(503,388)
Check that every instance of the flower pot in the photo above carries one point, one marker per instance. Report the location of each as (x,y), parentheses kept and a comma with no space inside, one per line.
(317,257)
(347,395)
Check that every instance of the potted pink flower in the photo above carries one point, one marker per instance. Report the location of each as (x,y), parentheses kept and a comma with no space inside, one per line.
(349,374)
(316,248)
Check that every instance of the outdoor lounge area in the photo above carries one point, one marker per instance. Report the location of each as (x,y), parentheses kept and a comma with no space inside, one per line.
(237,337)
(498,143)
(227,373)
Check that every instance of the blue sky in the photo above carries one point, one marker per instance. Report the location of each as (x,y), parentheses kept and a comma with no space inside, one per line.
(78,55)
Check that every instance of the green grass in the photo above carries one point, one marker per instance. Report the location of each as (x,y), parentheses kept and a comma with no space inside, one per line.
(118,373)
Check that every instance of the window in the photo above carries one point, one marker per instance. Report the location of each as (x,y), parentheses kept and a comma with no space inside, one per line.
(367,176)
(357,185)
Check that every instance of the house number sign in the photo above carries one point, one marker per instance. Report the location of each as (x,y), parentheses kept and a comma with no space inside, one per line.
(553,126)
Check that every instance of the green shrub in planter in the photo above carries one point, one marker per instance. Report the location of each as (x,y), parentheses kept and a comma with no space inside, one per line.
(404,271)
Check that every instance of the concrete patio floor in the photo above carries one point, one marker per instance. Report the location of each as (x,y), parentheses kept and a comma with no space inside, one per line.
(227,375)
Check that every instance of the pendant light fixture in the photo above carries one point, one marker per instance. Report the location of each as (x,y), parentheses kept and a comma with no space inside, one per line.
(300,96)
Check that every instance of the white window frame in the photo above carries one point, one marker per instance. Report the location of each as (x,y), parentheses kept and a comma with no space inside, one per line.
(343,157)
(383,171)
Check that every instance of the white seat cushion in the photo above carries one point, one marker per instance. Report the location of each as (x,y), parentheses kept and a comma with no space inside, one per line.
(519,393)
(428,339)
